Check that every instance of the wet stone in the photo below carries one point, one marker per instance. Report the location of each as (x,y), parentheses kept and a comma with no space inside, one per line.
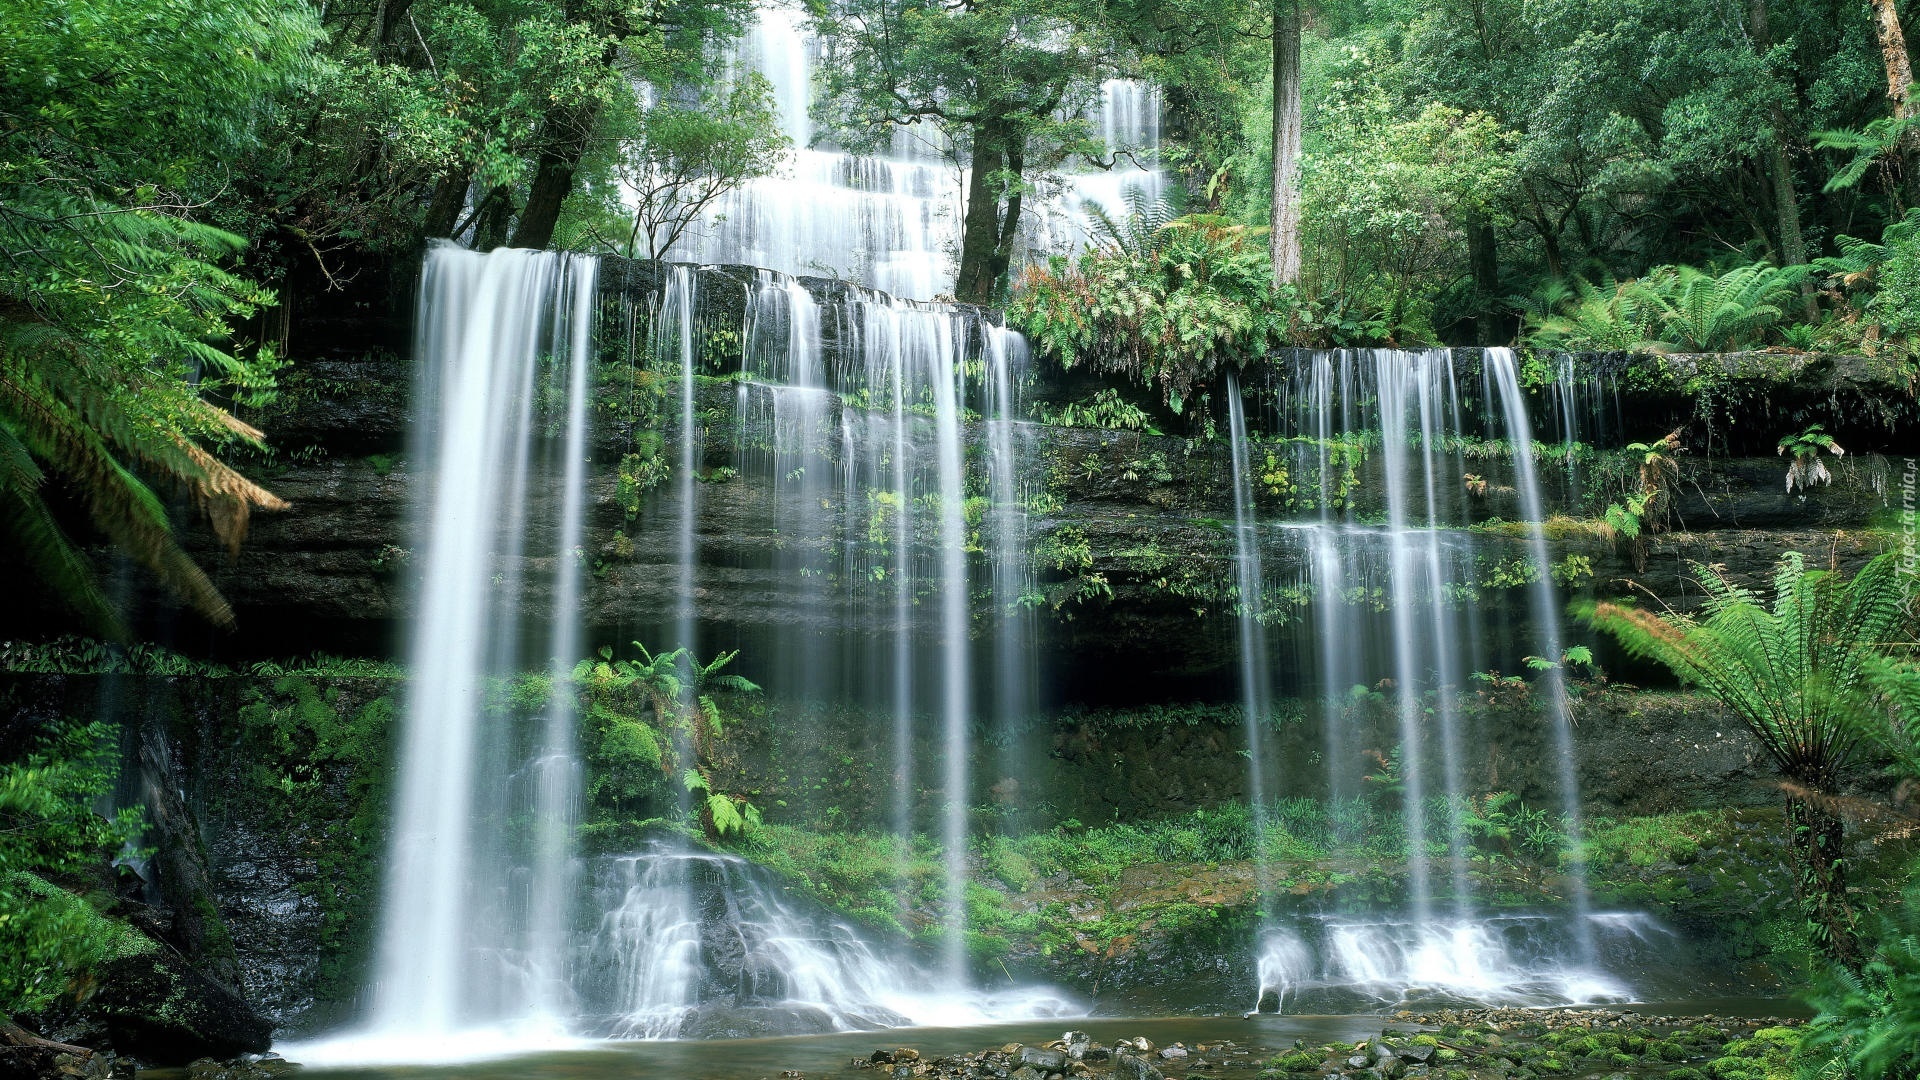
(1044,1060)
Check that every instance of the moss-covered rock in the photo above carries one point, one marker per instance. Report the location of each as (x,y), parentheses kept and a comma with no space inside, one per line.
(158,1009)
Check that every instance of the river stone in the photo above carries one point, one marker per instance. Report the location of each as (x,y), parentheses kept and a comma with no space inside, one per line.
(1077,1044)
(1416,1054)
(1130,1067)
(1044,1060)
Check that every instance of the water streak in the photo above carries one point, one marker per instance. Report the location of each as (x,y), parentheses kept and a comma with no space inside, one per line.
(457,949)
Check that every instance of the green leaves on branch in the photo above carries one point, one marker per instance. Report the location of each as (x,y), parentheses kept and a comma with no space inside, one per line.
(48,830)
(117,304)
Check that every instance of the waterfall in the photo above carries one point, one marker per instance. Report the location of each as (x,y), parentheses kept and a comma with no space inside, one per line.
(891,221)
(463,942)
(1256,689)
(673,343)
(1339,963)
(1502,370)
(697,944)
(1015,671)
(1370,446)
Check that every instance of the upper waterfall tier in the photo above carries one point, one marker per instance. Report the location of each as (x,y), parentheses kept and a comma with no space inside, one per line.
(891,219)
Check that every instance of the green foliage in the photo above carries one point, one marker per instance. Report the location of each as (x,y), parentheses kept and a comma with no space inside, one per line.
(1671,309)
(1169,305)
(1647,475)
(48,830)
(118,299)
(315,752)
(1881,286)
(1006,81)
(683,738)
(679,160)
(1795,675)
(1869,1022)
(1386,190)
(1104,409)
(1804,467)
(1790,672)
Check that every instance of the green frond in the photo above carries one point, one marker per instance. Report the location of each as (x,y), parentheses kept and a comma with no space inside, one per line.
(1792,672)
(726,816)
(56,562)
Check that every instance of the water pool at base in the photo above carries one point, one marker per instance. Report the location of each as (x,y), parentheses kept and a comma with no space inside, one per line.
(827,1055)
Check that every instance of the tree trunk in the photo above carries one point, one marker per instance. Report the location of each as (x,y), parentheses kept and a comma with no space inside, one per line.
(1786,202)
(1817,839)
(565,141)
(1483,257)
(981,257)
(449,198)
(491,217)
(179,865)
(1893,49)
(1286,142)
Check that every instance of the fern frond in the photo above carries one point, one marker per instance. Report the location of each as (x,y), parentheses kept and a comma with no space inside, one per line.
(56,562)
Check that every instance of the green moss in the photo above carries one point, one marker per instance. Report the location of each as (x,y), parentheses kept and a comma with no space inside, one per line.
(1296,1061)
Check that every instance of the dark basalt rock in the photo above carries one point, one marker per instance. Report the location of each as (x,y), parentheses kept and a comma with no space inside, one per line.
(158,1009)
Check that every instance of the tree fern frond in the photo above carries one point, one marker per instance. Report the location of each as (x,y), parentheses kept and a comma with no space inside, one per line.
(56,562)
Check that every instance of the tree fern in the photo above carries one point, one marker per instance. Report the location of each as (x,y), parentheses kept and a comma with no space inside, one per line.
(1793,673)
(1694,311)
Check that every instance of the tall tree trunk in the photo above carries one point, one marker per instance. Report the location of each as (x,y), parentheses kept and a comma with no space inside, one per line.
(449,198)
(566,132)
(179,863)
(983,257)
(491,217)
(1786,202)
(1483,258)
(1286,142)
(1817,838)
(1900,87)
(1893,49)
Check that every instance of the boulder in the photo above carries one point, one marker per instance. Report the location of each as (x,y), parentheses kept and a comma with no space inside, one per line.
(1044,1060)
(1132,1067)
(157,1008)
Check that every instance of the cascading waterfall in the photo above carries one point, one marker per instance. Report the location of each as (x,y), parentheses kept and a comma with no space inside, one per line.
(673,338)
(892,220)
(1504,373)
(1337,963)
(1256,684)
(556,805)
(687,929)
(1398,415)
(1015,671)
(466,941)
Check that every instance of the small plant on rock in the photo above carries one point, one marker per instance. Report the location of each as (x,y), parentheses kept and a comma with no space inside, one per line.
(1804,467)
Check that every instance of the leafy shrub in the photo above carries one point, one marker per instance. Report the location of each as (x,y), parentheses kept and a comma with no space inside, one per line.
(1881,284)
(48,829)
(1167,301)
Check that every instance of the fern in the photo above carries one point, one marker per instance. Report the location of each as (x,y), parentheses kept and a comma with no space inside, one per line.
(1693,311)
(1795,673)
(1869,1020)
(1672,309)
(1876,144)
